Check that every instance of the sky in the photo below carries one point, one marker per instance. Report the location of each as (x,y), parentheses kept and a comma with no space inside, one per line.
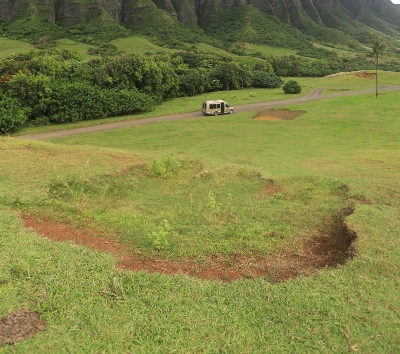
(396,1)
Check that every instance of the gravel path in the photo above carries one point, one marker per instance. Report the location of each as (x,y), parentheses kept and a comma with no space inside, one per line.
(313,95)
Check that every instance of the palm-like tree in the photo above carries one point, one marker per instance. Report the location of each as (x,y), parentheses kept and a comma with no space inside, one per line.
(377,49)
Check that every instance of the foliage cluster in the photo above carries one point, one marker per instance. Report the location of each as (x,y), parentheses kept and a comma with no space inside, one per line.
(291,86)
(12,115)
(165,166)
(56,86)
(291,66)
(165,31)
(33,29)
(247,24)
(98,32)
(265,80)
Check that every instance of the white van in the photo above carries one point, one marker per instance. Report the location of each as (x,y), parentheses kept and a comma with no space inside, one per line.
(216,107)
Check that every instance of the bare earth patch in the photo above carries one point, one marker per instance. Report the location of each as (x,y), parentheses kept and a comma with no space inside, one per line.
(365,75)
(19,325)
(329,247)
(278,114)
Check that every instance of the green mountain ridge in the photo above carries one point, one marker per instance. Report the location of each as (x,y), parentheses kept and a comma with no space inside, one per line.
(347,22)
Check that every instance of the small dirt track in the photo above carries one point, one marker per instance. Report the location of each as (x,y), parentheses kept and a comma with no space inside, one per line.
(313,95)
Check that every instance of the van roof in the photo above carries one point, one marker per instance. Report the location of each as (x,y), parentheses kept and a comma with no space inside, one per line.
(212,101)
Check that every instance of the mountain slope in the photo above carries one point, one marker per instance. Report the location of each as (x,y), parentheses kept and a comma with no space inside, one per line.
(329,21)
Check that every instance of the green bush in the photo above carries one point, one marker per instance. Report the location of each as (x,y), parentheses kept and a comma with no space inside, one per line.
(73,102)
(291,87)
(192,82)
(12,116)
(263,79)
(165,166)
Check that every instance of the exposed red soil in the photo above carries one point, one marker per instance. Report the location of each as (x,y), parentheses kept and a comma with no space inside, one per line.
(19,325)
(365,75)
(326,249)
(278,114)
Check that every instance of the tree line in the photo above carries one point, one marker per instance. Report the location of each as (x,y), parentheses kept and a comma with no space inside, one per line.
(55,86)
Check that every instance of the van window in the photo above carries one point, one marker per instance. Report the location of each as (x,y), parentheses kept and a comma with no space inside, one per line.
(218,105)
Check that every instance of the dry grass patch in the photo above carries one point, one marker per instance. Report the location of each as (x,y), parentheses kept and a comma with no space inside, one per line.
(278,114)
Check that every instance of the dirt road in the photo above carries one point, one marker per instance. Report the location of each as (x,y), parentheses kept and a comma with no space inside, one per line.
(313,95)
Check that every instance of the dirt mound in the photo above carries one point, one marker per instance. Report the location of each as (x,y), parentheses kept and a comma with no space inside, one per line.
(365,75)
(19,325)
(329,247)
(243,45)
(278,114)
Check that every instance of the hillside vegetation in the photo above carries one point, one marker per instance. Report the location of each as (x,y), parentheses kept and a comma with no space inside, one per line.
(148,52)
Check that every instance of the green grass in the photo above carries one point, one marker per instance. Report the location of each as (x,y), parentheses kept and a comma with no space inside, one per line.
(331,140)
(138,45)
(268,51)
(90,306)
(12,46)
(206,48)
(343,151)
(81,48)
(338,49)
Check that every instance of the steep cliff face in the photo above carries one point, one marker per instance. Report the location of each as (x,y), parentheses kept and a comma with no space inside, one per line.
(11,9)
(185,11)
(193,13)
(64,12)
(294,12)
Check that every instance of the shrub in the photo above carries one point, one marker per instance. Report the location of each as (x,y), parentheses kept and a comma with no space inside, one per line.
(73,102)
(192,82)
(165,166)
(263,79)
(291,87)
(12,116)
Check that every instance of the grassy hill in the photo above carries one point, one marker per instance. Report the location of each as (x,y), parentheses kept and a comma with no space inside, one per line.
(274,184)
(224,234)
(10,46)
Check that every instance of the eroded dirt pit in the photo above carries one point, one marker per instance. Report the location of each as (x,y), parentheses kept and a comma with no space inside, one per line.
(278,114)
(365,75)
(329,247)
(19,325)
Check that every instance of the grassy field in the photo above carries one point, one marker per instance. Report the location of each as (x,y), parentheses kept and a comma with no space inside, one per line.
(138,45)
(11,46)
(81,48)
(268,51)
(207,177)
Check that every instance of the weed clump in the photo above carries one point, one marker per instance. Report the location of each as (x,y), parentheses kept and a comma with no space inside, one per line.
(159,237)
(165,166)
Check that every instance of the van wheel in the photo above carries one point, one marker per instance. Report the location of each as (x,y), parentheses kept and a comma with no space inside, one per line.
(215,113)
(231,111)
